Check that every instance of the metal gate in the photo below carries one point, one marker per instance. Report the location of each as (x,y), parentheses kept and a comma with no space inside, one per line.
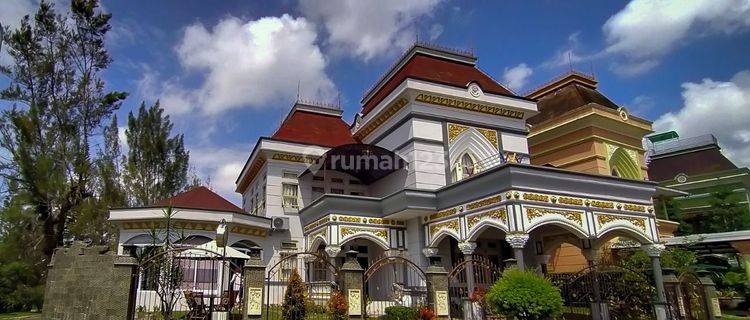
(485,274)
(186,283)
(298,286)
(687,298)
(393,281)
(614,292)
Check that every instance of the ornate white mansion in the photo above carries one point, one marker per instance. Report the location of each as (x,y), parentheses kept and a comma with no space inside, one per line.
(442,160)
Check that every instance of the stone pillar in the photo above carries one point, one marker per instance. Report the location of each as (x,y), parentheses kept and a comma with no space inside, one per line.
(467,248)
(543,262)
(599,308)
(332,251)
(518,241)
(253,286)
(351,285)
(712,301)
(660,305)
(437,288)
(673,290)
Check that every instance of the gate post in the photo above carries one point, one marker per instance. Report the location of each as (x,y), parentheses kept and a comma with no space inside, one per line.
(709,290)
(674,294)
(351,284)
(437,288)
(253,275)
(654,251)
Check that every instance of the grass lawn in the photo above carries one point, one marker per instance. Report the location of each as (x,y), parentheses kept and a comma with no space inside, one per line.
(725,316)
(21,315)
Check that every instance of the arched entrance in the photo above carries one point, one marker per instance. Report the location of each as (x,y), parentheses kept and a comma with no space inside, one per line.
(393,281)
(462,302)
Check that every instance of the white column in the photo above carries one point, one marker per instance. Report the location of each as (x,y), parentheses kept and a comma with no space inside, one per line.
(518,241)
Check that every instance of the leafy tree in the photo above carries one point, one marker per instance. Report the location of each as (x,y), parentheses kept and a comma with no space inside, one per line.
(157,164)
(293,307)
(525,295)
(727,214)
(59,103)
(681,260)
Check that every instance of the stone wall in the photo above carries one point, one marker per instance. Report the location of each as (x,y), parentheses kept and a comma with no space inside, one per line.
(88,283)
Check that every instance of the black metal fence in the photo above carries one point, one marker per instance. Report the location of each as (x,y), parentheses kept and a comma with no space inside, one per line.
(485,273)
(393,281)
(187,283)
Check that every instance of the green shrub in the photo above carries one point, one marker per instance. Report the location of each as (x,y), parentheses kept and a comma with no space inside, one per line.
(524,295)
(400,313)
(294,306)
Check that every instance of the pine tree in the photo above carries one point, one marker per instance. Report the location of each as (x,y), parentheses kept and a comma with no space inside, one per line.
(58,105)
(293,307)
(157,164)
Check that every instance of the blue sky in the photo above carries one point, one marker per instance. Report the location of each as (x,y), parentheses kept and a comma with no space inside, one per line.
(227,72)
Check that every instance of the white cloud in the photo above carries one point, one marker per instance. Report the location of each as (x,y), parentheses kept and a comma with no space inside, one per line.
(517,77)
(435,31)
(245,64)
(366,29)
(716,107)
(220,165)
(645,30)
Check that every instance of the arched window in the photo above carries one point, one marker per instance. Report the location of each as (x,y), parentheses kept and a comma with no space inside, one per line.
(465,167)
(467,164)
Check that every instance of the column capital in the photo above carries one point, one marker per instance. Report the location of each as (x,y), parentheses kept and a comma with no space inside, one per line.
(332,250)
(517,240)
(653,249)
(467,247)
(430,252)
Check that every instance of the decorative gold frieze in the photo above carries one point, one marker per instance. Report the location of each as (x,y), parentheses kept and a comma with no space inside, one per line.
(570,201)
(448,225)
(350,219)
(293,158)
(317,223)
(385,115)
(443,214)
(604,219)
(533,213)
(322,233)
(491,136)
(468,105)
(348,231)
(635,207)
(498,214)
(484,202)
(602,204)
(536,197)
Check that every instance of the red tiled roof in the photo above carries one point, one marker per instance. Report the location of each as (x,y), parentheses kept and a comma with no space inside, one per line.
(433,69)
(314,128)
(692,163)
(200,198)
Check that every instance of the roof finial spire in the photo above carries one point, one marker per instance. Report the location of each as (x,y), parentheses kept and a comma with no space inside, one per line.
(570,62)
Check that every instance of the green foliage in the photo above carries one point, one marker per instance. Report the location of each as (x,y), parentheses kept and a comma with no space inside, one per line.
(157,164)
(525,296)
(294,306)
(400,313)
(338,308)
(20,288)
(681,260)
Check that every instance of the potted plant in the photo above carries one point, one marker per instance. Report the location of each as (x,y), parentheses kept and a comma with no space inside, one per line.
(525,295)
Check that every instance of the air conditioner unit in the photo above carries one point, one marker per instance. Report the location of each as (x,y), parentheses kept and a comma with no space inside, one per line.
(280,223)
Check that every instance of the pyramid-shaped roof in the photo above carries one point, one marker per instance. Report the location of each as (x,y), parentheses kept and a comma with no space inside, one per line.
(309,126)
(567,93)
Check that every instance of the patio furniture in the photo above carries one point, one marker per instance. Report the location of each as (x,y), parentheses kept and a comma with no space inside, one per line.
(196,305)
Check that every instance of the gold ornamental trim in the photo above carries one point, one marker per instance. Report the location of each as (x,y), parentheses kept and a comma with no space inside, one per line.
(322,233)
(491,136)
(317,223)
(380,119)
(575,216)
(570,201)
(468,105)
(497,214)
(483,203)
(536,197)
(442,214)
(451,225)
(293,158)
(350,231)
(455,130)
(605,219)
(602,204)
